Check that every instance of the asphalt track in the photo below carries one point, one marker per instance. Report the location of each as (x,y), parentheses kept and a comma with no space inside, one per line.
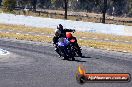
(33,64)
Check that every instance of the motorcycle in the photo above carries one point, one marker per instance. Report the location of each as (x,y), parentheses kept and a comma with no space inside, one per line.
(65,50)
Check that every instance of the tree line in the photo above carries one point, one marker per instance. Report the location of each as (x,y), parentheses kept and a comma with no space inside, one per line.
(113,7)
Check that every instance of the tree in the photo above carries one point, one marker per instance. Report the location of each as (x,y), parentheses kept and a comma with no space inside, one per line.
(130,8)
(0,2)
(104,11)
(34,3)
(61,3)
(8,5)
(66,2)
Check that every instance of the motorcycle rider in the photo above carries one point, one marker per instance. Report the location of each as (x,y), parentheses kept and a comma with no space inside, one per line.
(73,41)
(60,32)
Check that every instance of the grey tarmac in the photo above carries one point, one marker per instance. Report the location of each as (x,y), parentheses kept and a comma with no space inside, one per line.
(35,64)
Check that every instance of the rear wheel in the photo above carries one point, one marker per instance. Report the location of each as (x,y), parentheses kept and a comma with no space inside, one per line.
(72,56)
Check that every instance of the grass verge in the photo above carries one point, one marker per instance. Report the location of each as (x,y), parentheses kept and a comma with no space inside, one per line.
(103,36)
(120,47)
(89,43)
(26,28)
(77,34)
(26,37)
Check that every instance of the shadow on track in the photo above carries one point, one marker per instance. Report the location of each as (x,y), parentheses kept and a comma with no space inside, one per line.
(80,61)
(73,60)
(86,57)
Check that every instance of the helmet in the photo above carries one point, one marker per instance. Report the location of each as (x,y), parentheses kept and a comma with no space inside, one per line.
(57,32)
(68,35)
(59,26)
